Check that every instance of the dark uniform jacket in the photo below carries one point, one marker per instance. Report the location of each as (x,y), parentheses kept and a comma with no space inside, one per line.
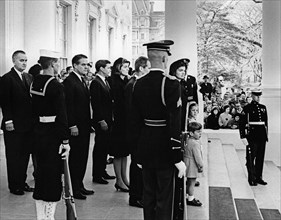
(254,112)
(16,100)
(157,146)
(49,100)
(101,101)
(188,94)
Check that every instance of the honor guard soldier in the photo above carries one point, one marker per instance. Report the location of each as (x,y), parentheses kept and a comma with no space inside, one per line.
(50,135)
(253,132)
(156,130)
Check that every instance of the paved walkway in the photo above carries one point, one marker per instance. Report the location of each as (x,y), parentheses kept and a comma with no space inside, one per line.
(106,203)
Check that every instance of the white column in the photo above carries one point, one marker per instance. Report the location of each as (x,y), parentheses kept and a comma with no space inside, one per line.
(180,26)
(271,75)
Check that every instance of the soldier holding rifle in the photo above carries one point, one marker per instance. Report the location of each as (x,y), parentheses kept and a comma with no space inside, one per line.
(253,132)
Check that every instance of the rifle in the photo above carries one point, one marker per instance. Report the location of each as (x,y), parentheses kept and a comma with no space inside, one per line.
(68,194)
(249,158)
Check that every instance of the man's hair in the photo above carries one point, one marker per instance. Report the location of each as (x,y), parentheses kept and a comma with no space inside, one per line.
(194,126)
(140,62)
(16,53)
(45,62)
(101,63)
(76,58)
(68,68)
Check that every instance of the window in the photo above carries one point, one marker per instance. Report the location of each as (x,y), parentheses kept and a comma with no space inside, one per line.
(142,36)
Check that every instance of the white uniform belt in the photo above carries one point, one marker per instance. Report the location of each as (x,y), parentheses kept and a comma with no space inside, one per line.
(155,123)
(47,119)
(256,123)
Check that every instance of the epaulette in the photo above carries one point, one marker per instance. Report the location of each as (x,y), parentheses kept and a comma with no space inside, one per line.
(169,76)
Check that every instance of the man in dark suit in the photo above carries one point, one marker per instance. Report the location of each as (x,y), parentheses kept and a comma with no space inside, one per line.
(156,130)
(102,104)
(77,98)
(253,132)
(206,88)
(17,122)
(142,67)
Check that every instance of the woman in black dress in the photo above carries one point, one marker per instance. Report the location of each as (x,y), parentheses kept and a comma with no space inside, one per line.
(119,147)
(50,135)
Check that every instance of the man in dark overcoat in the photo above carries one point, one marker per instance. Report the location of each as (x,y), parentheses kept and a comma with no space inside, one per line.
(77,98)
(102,105)
(206,88)
(17,122)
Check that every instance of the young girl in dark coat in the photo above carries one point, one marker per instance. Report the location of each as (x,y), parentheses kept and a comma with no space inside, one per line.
(213,119)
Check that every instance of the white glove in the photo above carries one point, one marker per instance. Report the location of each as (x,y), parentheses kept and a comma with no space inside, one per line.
(182,168)
(64,151)
(245,141)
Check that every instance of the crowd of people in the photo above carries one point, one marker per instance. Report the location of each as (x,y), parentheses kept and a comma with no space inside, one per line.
(140,112)
(222,110)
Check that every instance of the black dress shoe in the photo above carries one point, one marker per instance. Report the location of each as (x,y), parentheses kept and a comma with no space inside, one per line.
(194,202)
(86,192)
(108,177)
(261,181)
(100,180)
(17,192)
(253,183)
(27,188)
(79,195)
(136,203)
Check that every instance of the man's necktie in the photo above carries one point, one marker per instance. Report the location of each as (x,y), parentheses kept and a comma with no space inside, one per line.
(107,84)
(24,81)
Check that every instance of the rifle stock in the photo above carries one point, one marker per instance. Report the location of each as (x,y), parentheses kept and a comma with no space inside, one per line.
(68,194)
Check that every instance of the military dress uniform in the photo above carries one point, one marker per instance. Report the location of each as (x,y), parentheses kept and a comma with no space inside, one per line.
(254,127)
(156,119)
(50,131)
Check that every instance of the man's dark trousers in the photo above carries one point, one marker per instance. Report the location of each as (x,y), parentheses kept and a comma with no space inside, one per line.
(17,149)
(136,180)
(156,181)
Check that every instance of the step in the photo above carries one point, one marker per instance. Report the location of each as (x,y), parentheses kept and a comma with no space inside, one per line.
(247,209)
(218,174)
(271,175)
(262,194)
(221,204)
(270,214)
(201,192)
(238,182)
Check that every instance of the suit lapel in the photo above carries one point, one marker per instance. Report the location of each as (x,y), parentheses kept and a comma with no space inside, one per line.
(80,83)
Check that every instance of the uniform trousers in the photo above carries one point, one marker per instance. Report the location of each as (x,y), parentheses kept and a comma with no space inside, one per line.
(255,158)
(136,182)
(78,158)
(17,148)
(102,140)
(158,193)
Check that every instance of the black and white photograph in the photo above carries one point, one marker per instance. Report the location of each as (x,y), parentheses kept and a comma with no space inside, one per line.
(140,109)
